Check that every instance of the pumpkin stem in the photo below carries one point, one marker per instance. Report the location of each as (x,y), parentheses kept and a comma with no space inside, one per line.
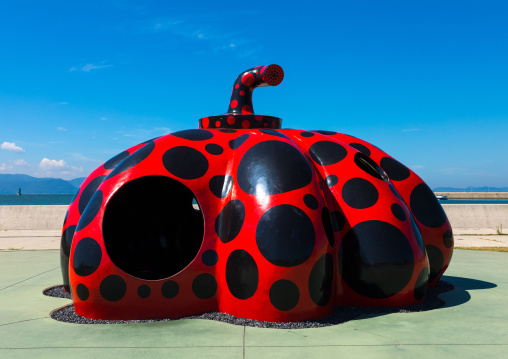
(247,81)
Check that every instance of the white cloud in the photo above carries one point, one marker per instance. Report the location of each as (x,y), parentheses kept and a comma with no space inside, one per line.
(206,31)
(61,129)
(11,146)
(57,167)
(104,118)
(21,162)
(48,165)
(4,167)
(63,103)
(88,67)
(81,157)
(413,129)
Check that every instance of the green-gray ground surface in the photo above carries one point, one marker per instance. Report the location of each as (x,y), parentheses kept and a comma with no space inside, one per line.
(472,324)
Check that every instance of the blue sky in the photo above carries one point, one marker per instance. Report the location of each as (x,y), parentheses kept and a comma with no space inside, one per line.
(426,81)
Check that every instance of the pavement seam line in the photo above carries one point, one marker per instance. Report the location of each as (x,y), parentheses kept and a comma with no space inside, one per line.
(24,280)
(377,335)
(22,321)
(244,342)
(265,346)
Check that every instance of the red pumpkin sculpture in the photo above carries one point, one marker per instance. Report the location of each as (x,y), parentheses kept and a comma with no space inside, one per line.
(245,218)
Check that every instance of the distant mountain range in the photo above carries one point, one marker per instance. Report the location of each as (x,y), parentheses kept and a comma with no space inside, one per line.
(471,189)
(9,184)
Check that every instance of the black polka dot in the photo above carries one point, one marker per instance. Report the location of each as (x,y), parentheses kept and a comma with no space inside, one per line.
(144,291)
(65,251)
(285,236)
(114,161)
(204,286)
(214,149)
(306,134)
(398,212)
(134,159)
(229,222)
(394,169)
(331,180)
(170,289)
(376,259)
(360,148)
(220,185)
(321,280)
(242,274)
(113,288)
(284,295)
(436,261)
(227,130)
(82,292)
(87,257)
(359,193)
(448,239)
(366,164)
(209,258)
(273,167)
(194,135)
(237,142)
(91,210)
(310,201)
(327,153)
(421,284)
(327,133)
(273,133)
(88,193)
(327,225)
(338,221)
(66,240)
(418,235)
(426,207)
(185,162)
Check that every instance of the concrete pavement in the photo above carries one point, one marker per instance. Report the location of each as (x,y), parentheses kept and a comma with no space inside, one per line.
(472,324)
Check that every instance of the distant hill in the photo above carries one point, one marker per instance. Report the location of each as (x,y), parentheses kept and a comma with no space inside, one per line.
(469,189)
(76,182)
(9,184)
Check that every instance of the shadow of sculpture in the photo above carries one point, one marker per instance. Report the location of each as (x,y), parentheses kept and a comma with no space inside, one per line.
(449,292)
(460,294)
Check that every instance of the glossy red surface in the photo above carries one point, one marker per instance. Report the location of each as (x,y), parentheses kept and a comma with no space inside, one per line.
(294,223)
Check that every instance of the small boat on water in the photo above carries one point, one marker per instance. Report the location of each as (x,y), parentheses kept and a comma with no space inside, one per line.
(441,197)
(19,191)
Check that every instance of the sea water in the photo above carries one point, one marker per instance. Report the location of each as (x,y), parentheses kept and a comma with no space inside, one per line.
(66,199)
(35,199)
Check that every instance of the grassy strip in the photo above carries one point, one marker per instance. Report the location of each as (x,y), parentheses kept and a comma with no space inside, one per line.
(488,249)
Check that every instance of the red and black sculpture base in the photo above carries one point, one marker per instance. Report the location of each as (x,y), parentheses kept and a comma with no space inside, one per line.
(243,217)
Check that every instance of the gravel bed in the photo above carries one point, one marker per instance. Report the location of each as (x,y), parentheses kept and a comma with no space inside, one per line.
(340,314)
(56,291)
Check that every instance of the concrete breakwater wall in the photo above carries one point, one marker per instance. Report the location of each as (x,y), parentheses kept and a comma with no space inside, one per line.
(32,217)
(51,217)
(474,195)
(477,215)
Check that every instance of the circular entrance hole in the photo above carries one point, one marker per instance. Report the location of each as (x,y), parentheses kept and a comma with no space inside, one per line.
(151,228)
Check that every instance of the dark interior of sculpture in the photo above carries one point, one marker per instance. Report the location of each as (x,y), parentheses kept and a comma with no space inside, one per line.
(151,229)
